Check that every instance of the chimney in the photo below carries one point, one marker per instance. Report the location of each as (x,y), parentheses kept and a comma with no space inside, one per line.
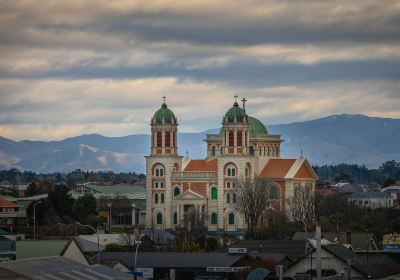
(348,237)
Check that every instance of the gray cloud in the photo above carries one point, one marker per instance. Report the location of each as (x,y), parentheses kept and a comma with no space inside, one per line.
(73,67)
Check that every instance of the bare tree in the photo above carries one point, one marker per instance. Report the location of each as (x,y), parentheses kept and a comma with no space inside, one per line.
(252,200)
(301,204)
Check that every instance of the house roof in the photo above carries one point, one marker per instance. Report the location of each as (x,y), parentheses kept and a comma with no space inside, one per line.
(359,240)
(370,195)
(6,203)
(202,165)
(88,246)
(276,168)
(39,248)
(294,249)
(172,259)
(345,254)
(51,268)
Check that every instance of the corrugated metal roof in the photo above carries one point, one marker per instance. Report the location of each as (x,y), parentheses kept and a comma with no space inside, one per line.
(172,259)
(59,268)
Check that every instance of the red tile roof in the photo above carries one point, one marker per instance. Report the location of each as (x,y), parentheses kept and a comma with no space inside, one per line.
(276,168)
(6,203)
(199,188)
(202,165)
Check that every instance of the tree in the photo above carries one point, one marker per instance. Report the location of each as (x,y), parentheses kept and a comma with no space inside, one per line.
(389,182)
(301,204)
(84,206)
(252,200)
(32,190)
(60,201)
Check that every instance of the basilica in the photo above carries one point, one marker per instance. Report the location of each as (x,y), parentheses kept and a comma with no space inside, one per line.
(242,150)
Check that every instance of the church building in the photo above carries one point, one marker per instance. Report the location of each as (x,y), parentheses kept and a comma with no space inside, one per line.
(242,150)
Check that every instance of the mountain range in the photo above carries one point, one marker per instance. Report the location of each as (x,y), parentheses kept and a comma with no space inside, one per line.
(330,140)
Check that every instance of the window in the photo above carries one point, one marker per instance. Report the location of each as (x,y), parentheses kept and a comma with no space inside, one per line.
(156,198)
(228,198)
(167,139)
(214,218)
(175,218)
(231,218)
(273,193)
(161,172)
(157,172)
(233,172)
(213,151)
(162,198)
(159,139)
(239,141)
(214,193)
(251,150)
(229,172)
(162,185)
(159,219)
(177,191)
(234,198)
(228,185)
(231,140)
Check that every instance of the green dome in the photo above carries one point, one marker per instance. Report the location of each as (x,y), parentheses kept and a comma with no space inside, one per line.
(164,115)
(235,113)
(257,127)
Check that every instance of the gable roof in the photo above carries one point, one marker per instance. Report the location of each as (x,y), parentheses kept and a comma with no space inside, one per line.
(39,248)
(202,165)
(276,168)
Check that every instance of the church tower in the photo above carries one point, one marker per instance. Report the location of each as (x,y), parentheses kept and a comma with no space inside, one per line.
(160,164)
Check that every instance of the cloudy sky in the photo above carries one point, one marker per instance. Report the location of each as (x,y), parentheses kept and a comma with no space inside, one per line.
(77,67)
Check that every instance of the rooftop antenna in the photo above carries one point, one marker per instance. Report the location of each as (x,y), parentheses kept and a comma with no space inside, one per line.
(244,103)
(301,153)
(187,154)
(236,96)
(164,97)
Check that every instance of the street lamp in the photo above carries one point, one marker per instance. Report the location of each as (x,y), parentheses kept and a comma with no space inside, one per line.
(137,248)
(34,218)
(98,240)
(110,216)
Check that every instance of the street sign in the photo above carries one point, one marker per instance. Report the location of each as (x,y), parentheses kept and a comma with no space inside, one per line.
(237,251)
(227,269)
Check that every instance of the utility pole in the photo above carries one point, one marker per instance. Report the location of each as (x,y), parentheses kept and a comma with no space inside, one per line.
(318,251)
(34,218)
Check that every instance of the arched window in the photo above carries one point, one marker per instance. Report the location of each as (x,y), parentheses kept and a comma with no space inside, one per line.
(162,185)
(177,191)
(239,141)
(228,198)
(234,198)
(167,139)
(159,219)
(251,150)
(230,170)
(214,193)
(156,185)
(176,167)
(161,172)
(175,218)
(214,218)
(157,172)
(274,192)
(213,152)
(231,218)
(159,139)
(231,138)
(156,198)
(162,198)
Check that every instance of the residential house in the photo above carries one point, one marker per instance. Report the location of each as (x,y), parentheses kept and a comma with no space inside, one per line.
(334,262)
(394,191)
(371,200)
(11,215)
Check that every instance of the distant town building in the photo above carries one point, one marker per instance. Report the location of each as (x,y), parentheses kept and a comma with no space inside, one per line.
(177,186)
(11,214)
(372,200)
